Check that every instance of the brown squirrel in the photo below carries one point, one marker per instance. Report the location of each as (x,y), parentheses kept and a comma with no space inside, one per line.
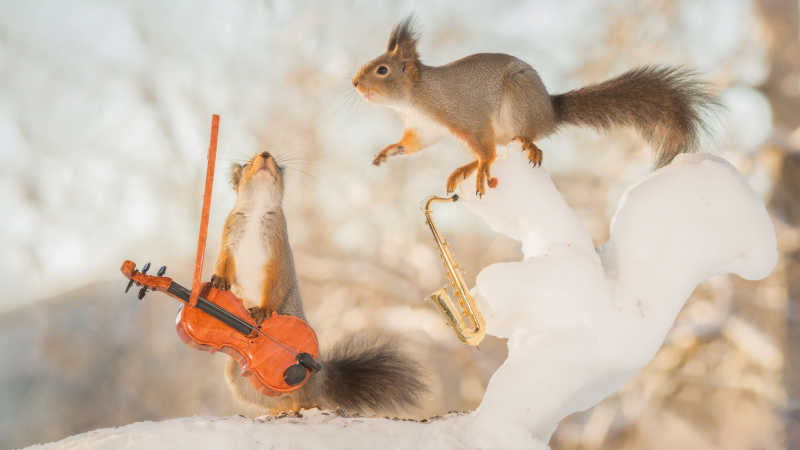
(256,263)
(491,99)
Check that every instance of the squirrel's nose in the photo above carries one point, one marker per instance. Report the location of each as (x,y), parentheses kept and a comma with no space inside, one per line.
(355,82)
(265,155)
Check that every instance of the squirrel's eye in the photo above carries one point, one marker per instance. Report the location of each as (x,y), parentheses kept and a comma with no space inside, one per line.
(382,70)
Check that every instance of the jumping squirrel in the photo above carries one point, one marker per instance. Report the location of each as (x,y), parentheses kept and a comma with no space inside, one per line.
(491,99)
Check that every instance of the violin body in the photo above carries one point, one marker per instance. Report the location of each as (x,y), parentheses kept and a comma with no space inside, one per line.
(263,361)
(277,356)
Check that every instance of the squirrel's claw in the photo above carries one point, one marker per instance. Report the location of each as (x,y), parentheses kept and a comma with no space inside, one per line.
(534,155)
(391,150)
(220,283)
(258,313)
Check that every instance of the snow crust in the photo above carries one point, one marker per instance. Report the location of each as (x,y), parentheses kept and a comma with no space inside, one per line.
(580,322)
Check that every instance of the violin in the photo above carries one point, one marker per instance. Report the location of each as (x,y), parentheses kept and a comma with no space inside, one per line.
(277,356)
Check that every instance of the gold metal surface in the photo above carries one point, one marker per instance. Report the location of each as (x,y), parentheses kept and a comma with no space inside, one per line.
(465,318)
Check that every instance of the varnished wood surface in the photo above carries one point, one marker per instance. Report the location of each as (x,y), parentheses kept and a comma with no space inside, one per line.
(264,355)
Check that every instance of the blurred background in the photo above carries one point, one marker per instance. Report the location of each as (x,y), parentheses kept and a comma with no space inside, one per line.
(105,109)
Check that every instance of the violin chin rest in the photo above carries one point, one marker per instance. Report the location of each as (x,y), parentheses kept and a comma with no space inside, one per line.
(294,375)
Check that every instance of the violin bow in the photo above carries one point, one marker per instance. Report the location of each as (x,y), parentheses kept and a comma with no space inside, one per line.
(201,239)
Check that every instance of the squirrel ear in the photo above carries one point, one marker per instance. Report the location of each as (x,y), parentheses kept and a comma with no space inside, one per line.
(236,175)
(403,40)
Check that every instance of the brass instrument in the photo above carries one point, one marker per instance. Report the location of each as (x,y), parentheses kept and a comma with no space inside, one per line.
(467,320)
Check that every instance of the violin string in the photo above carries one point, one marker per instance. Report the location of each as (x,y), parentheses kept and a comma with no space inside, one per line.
(282,344)
(255,327)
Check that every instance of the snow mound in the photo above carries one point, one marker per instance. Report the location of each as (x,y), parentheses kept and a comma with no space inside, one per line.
(580,322)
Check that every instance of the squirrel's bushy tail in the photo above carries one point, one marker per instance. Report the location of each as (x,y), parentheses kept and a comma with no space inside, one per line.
(664,103)
(361,374)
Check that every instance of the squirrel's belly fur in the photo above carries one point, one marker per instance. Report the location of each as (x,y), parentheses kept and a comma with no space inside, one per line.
(252,254)
(427,129)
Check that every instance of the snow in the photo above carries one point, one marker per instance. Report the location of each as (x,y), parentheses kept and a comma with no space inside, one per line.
(594,319)
(580,322)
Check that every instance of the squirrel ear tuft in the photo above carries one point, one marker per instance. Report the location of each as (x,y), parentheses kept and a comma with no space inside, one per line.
(236,175)
(403,40)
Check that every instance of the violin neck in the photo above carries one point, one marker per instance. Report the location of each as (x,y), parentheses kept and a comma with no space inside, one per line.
(183,294)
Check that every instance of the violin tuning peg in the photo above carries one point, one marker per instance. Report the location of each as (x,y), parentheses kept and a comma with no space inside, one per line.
(130,283)
(146,267)
(161,270)
(142,292)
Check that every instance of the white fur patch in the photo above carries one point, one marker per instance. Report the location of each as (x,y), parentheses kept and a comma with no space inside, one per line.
(506,123)
(252,251)
(428,131)
(251,255)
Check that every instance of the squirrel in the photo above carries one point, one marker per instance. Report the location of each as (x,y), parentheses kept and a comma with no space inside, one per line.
(491,99)
(255,262)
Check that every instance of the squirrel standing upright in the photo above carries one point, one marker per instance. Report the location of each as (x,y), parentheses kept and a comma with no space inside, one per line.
(256,262)
(491,99)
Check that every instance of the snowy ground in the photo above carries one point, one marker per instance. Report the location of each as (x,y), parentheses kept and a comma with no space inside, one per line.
(580,323)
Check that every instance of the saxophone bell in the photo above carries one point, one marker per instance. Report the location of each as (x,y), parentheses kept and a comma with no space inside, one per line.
(465,319)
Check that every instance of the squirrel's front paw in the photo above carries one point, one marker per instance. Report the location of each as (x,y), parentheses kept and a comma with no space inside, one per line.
(391,150)
(220,283)
(258,313)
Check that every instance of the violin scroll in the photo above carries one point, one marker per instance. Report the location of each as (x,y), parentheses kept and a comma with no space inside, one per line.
(140,278)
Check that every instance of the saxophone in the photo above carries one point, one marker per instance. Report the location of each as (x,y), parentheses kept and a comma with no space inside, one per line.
(466,320)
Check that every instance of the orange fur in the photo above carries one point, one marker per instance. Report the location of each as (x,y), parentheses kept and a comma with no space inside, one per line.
(534,152)
(225,271)
(408,144)
(410,141)
(274,288)
(483,147)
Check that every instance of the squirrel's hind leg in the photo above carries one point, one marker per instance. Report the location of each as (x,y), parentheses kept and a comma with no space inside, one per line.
(459,174)
(486,154)
(482,146)
(484,177)
(534,153)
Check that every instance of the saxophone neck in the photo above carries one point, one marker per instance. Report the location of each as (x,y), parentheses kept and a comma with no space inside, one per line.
(436,198)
